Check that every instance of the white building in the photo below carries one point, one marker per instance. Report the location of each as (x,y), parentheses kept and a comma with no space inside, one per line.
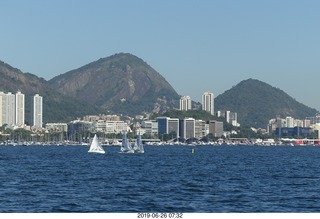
(232,118)
(8,109)
(37,111)
(20,109)
(1,109)
(115,127)
(150,127)
(289,122)
(208,102)
(185,103)
(57,127)
(100,126)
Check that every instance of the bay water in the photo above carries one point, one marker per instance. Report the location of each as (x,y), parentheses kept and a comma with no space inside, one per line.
(213,179)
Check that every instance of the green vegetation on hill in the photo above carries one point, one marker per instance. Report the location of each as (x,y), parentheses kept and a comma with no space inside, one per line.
(257,102)
(121,84)
(58,108)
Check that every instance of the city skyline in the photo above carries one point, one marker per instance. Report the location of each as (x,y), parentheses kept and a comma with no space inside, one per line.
(211,44)
(12,105)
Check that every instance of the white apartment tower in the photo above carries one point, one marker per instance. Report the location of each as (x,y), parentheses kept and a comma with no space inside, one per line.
(185,103)
(37,111)
(19,109)
(208,102)
(290,122)
(1,108)
(8,109)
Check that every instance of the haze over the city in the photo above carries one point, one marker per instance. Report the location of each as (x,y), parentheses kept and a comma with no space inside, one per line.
(197,46)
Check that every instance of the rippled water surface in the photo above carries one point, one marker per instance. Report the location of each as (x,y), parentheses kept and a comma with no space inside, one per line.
(164,179)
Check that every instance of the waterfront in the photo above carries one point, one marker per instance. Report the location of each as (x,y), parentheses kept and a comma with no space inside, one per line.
(164,179)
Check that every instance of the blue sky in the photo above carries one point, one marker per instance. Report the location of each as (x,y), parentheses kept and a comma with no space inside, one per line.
(198,46)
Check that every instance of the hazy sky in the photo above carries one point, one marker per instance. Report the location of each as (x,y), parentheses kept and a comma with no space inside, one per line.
(197,46)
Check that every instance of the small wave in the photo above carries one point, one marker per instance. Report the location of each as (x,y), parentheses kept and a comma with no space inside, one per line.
(70,207)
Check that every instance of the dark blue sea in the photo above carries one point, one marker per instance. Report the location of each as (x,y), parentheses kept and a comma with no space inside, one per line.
(214,179)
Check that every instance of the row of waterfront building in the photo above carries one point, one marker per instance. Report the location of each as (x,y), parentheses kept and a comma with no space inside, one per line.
(12,110)
(12,113)
(186,128)
(285,127)
(289,126)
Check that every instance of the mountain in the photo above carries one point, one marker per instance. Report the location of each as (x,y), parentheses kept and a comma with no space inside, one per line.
(56,107)
(125,84)
(257,102)
(121,83)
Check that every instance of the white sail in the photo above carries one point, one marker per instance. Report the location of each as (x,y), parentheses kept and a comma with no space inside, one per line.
(125,146)
(138,146)
(95,147)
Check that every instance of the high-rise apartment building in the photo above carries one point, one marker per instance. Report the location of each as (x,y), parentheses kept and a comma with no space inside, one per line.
(20,106)
(187,128)
(37,111)
(0,109)
(3,99)
(200,129)
(208,102)
(8,108)
(167,125)
(232,118)
(290,122)
(216,128)
(185,103)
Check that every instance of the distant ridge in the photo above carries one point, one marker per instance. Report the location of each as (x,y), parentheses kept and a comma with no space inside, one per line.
(125,84)
(121,83)
(256,102)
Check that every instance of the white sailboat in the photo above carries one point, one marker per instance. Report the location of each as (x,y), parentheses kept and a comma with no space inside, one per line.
(126,146)
(95,147)
(138,146)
